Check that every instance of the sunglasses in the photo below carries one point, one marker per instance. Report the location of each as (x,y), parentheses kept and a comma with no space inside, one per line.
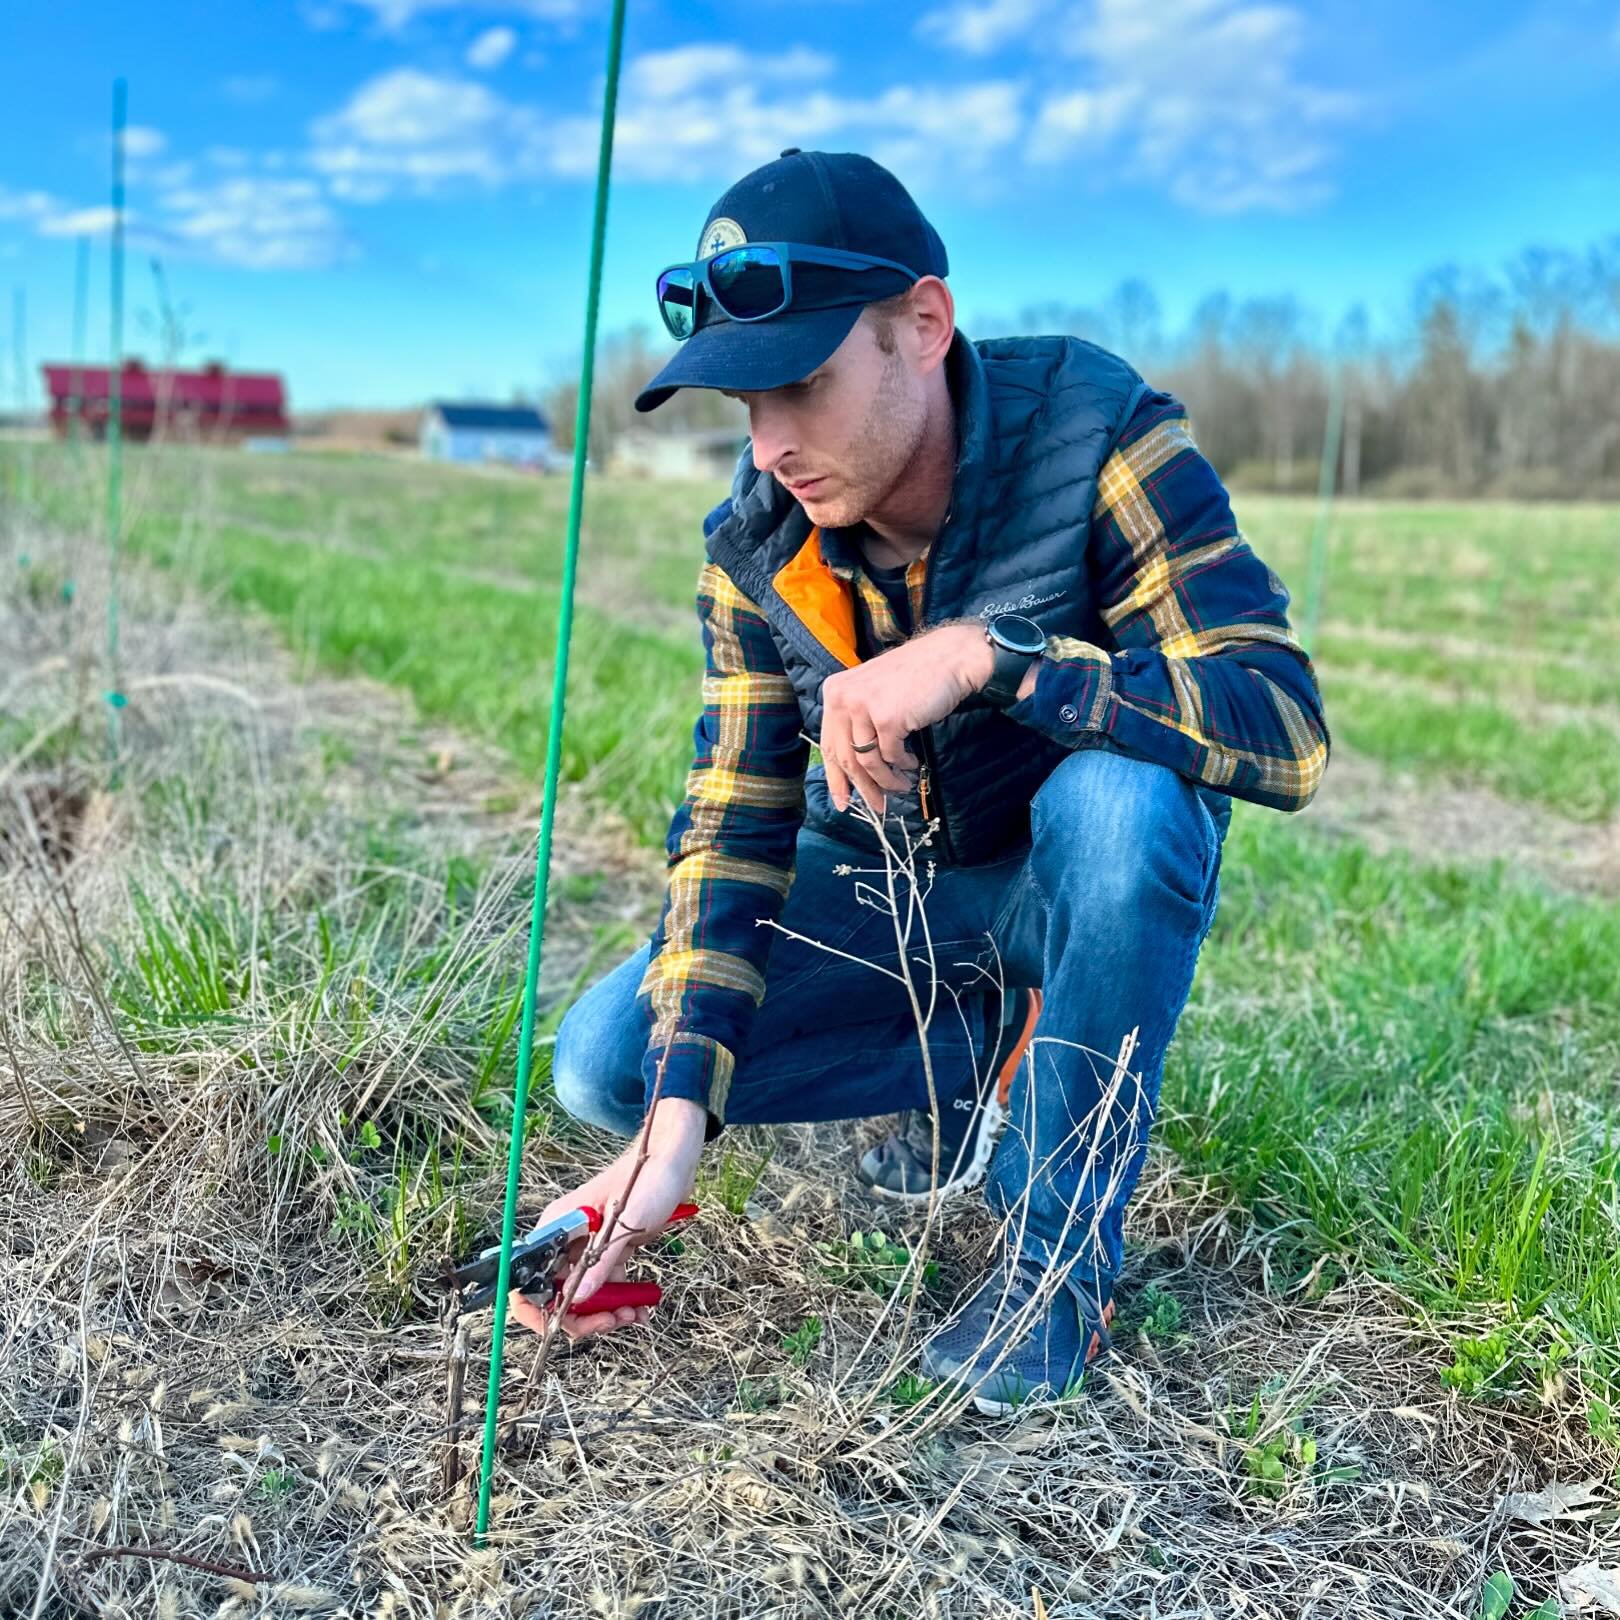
(751,282)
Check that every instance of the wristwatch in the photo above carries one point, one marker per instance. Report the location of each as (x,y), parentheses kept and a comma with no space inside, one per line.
(1017,642)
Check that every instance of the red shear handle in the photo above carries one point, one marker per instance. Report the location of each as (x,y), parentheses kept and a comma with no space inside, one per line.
(593,1217)
(615,1295)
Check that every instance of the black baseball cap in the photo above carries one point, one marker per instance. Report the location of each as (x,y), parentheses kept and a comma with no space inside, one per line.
(822,199)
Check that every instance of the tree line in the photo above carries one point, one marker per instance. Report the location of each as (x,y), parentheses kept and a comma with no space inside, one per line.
(1490,384)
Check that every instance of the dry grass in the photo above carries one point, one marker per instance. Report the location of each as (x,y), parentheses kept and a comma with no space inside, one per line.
(197,1355)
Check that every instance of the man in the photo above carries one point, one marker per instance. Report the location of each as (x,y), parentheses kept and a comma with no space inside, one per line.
(1000,588)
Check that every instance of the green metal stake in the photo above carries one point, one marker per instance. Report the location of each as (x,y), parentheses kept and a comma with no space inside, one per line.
(1326,483)
(548,804)
(115,422)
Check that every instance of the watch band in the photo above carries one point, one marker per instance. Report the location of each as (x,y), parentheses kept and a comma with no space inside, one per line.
(1016,643)
(1007,675)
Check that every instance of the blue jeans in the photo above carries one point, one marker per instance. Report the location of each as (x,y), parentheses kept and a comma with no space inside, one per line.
(1105,910)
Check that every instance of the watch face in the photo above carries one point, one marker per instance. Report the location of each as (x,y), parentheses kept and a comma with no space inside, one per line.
(1020,634)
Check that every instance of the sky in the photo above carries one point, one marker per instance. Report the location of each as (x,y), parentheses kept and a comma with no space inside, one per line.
(390,200)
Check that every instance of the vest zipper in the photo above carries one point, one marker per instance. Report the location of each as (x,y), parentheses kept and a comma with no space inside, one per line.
(925,777)
(925,782)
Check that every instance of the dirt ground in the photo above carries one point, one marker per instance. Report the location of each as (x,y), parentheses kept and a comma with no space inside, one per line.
(190,1368)
(1386,809)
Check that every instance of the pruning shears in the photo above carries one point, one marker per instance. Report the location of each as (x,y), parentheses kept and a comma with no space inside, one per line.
(535,1258)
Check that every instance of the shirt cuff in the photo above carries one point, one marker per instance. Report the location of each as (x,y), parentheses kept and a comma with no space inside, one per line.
(698,1069)
(1074,682)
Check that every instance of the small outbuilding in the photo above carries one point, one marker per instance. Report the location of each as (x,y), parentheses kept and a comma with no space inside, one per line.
(692,453)
(516,435)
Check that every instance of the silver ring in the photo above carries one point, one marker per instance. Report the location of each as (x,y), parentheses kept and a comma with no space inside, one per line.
(866,747)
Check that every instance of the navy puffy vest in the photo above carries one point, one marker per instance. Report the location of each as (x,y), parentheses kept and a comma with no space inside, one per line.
(1036,420)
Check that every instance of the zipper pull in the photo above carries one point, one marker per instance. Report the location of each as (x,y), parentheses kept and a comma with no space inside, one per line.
(922,793)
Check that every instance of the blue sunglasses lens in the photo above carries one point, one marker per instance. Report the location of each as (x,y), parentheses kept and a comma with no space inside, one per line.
(748,282)
(677,298)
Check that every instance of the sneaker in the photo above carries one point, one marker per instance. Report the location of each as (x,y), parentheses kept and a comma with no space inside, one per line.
(1013,1352)
(901,1167)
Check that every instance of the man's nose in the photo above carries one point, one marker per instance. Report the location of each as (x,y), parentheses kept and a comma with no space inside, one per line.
(772,441)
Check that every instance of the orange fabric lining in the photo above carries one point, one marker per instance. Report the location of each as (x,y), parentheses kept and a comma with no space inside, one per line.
(824,602)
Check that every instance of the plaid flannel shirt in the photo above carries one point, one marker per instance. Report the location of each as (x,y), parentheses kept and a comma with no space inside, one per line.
(1203,674)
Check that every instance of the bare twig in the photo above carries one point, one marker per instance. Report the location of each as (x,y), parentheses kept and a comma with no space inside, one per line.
(456,1378)
(169,1555)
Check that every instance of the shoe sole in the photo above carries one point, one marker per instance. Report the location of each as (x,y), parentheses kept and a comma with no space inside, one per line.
(988,1127)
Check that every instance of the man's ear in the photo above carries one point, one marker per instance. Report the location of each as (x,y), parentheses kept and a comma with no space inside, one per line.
(933,320)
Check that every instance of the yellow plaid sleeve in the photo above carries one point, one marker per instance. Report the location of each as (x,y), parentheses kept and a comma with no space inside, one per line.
(730,850)
(1198,667)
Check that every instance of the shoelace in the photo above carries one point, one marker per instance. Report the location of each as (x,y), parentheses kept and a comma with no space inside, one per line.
(1024,1278)
(918,1134)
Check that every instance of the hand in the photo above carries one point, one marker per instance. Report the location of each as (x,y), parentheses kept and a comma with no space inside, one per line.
(891,696)
(666,1179)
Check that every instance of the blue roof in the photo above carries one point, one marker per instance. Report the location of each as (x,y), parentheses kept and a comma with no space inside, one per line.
(504,418)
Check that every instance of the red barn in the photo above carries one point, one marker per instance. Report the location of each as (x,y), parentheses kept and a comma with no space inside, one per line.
(213,404)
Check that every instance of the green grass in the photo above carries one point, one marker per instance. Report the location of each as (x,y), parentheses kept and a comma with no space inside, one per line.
(1400,1068)
(1411,1068)
(445,582)
(1525,694)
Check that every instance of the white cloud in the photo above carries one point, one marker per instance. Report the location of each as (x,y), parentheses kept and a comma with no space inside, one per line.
(663,74)
(491,48)
(708,111)
(395,14)
(173,174)
(1064,122)
(251,220)
(26,205)
(79,222)
(141,141)
(256,223)
(980,28)
(1202,97)
(418,131)
(1216,109)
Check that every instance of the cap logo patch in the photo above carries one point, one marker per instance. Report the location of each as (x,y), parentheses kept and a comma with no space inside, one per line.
(718,235)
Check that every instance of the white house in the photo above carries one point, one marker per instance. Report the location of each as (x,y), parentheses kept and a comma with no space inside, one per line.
(692,453)
(466,432)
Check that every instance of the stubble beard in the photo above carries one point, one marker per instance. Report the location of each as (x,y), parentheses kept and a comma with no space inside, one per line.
(880,453)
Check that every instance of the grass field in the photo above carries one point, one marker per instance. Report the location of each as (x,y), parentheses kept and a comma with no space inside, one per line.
(1476,641)
(1386,1180)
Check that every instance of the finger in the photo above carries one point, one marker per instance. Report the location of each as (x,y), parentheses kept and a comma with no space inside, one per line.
(897,756)
(834,749)
(884,772)
(520,1308)
(875,797)
(881,766)
(588,1327)
(838,747)
(608,1268)
(838,784)
(866,783)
